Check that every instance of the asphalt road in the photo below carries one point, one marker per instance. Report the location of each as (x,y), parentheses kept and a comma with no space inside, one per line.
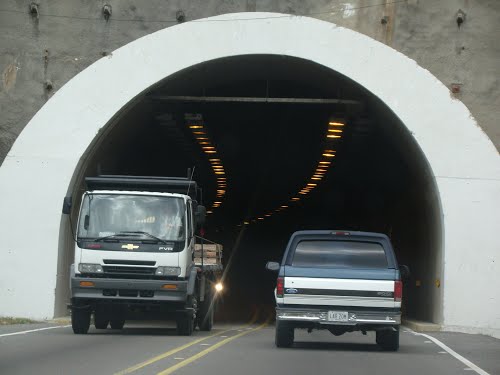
(236,349)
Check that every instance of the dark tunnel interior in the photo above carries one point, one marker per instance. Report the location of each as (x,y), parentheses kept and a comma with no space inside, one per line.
(378,180)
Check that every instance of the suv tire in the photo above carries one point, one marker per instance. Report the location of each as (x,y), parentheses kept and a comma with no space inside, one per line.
(284,335)
(388,340)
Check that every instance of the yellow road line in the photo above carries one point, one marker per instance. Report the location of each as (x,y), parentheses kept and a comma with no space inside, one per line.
(208,350)
(173,351)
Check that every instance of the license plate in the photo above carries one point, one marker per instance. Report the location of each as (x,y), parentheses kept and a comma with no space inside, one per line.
(338,316)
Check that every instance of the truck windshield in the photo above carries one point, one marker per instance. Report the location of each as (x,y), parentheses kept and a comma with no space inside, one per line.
(339,254)
(105,215)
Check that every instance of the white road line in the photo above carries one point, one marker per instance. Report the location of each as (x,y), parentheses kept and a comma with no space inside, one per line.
(471,366)
(31,330)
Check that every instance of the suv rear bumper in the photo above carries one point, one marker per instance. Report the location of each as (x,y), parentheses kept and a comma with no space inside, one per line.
(354,317)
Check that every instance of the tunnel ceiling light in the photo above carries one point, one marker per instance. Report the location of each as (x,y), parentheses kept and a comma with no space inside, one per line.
(208,147)
(199,133)
(195,126)
(210,151)
(332,132)
(261,218)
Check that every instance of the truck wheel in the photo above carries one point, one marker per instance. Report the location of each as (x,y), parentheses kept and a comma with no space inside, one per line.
(284,335)
(100,320)
(388,340)
(117,323)
(80,321)
(185,325)
(205,318)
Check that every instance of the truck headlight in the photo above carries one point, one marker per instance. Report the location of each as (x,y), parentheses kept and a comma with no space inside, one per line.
(168,271)
(90,268)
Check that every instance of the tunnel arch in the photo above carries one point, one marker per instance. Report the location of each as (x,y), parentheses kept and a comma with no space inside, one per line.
(462,160)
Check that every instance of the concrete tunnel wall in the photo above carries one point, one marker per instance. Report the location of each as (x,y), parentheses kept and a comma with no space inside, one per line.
(465,165)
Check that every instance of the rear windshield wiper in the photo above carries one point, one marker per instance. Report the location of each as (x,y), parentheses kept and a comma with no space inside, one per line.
(145,234)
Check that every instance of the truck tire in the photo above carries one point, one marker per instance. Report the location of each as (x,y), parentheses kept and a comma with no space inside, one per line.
(80,321)
(205,317)
(186,321)
(185,325)
(284,335)
(117,323)
(388,340)
(100,320)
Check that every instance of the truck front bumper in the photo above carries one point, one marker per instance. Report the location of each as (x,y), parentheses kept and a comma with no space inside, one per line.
(354,317)
(136,290)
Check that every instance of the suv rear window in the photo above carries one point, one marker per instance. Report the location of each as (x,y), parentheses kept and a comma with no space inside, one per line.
(339,254)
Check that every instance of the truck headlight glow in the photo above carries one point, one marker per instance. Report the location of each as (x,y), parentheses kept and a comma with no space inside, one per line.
(219,287)
(168,271)
(90,268)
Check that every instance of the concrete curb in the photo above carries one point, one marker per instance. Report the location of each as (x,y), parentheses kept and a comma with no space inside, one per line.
(420,326)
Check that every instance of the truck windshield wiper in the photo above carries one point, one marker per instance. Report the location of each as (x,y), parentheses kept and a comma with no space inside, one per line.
(145,234)
(122,234)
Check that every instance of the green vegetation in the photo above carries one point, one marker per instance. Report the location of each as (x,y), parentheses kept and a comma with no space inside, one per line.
(6,320)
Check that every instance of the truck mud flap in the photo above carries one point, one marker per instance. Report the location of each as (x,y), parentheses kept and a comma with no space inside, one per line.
(193,274)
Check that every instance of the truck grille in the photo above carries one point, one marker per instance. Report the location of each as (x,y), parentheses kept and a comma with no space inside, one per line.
(129,272)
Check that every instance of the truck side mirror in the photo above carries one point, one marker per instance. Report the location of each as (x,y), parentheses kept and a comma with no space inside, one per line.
(200,215)
(405,271)
(67,203)
(273,266)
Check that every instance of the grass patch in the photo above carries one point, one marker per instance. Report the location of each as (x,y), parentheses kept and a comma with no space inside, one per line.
(7,320)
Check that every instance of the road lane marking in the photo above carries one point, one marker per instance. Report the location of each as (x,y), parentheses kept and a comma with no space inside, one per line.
(208,350)
(170,352)
(464,360)
(31,330)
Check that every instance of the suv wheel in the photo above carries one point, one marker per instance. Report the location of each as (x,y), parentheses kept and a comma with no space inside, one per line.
(388,340)
(284,334)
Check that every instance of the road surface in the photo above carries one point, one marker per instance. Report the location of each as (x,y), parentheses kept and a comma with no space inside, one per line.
(236,349)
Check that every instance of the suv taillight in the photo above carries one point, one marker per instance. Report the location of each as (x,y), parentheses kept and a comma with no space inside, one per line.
(398,290)
(280,286)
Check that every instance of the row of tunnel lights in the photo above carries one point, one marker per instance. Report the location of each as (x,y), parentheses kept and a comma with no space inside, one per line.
(201,136)
(334,133)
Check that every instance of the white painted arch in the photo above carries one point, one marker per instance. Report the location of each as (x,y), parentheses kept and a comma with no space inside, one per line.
(39,169)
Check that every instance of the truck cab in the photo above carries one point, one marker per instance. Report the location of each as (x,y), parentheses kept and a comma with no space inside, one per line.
(135,254)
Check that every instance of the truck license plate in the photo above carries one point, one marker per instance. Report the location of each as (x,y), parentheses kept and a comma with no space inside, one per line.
(338,316)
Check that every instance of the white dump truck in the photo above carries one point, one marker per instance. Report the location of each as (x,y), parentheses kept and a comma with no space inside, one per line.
(137,255)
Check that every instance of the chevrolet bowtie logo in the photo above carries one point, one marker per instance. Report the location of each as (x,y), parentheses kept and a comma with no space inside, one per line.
(130,246)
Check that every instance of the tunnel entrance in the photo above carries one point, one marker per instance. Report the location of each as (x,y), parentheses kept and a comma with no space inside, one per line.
(269,120)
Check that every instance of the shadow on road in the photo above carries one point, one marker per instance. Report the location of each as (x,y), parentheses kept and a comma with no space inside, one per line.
(336,346)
